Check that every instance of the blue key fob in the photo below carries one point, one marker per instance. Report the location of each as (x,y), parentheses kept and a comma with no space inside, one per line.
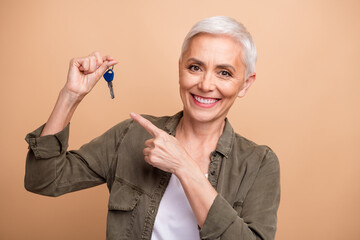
(109,75)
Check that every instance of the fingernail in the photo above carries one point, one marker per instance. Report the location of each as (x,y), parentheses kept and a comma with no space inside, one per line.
(132,114)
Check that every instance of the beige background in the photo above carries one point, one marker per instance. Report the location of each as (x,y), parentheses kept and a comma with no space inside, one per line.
(304,104)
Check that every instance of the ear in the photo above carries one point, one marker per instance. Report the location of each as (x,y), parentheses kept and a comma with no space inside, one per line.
(248,82)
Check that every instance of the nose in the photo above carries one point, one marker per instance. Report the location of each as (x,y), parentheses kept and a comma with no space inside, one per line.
(207,83)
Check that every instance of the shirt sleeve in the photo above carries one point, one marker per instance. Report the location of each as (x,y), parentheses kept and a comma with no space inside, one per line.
(256,216)
(52,170)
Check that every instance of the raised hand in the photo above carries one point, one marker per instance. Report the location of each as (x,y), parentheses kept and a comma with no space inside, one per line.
(85,72)
(163,150)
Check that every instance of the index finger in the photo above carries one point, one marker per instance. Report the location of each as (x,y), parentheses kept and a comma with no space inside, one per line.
(151,128)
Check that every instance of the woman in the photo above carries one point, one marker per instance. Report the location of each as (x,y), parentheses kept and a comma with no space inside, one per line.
(195,178)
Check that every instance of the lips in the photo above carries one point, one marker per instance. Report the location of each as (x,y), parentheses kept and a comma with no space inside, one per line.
(205,101)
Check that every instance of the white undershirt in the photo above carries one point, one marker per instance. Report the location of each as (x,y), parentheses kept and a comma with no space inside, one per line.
(175,219)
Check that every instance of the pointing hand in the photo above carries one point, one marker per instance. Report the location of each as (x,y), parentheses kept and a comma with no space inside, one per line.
(163,150)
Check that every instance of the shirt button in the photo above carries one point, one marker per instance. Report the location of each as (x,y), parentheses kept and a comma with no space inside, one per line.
(212,172)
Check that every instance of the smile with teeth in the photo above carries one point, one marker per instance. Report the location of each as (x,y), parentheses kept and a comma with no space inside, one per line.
(205,100)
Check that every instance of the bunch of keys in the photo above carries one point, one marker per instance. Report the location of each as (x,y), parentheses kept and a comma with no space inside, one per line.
(109,76)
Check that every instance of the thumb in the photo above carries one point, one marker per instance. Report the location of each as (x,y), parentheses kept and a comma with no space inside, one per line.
(103,67)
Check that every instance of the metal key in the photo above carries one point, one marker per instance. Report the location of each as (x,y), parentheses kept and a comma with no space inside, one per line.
(109,76)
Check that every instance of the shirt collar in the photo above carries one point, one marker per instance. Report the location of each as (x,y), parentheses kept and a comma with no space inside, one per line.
(226,139)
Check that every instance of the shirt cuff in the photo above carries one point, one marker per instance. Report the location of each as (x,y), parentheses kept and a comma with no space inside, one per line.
(221,215)
(50,145)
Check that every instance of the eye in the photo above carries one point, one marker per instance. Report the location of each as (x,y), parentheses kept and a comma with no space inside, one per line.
(225,73)
(194,68)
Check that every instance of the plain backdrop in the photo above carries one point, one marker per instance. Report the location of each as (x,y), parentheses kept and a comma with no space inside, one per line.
(304,103)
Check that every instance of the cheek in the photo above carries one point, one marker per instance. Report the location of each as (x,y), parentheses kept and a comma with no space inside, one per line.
(187,80)
(229,90)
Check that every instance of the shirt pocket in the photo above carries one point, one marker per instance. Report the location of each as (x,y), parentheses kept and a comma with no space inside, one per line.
(123,196)
(123,211)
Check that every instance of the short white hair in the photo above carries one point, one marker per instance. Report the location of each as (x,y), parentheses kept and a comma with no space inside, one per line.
(222,25)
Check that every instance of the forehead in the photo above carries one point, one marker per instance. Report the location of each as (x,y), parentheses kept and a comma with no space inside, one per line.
(219,49)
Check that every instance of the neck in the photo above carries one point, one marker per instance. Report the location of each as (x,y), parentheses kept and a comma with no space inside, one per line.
(193,131)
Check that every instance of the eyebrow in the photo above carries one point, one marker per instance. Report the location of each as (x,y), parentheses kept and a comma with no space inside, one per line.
(197,61)
(226,66)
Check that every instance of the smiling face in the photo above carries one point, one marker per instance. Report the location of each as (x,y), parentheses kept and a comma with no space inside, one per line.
(211,77)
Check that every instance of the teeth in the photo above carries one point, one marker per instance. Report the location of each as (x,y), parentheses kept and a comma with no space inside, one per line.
(205,100)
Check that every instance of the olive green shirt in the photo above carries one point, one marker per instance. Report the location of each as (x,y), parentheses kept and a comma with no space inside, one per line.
(245,175)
